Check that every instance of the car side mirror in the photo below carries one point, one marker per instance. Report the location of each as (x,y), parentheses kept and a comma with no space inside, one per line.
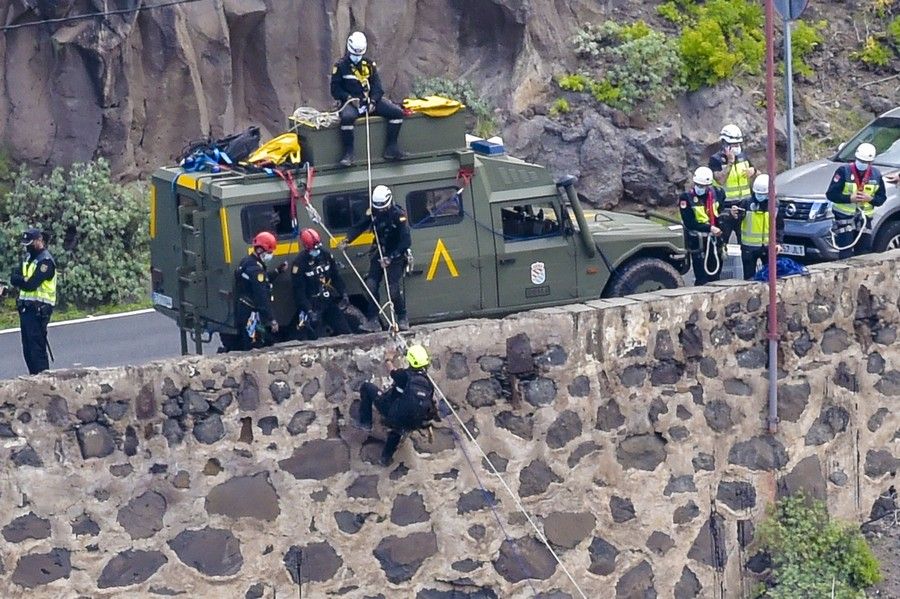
(841,146)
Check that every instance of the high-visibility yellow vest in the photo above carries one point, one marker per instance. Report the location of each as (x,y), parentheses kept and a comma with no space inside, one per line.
(737,185)
(850,209)
(700,214)
(755,228)
(46,292)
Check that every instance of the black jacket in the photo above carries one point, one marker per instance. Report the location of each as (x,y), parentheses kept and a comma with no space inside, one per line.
(46,269)
(350,80)
(401,377)
(688,200)
(316,280)
(253,287)
(843,174)
(392,228)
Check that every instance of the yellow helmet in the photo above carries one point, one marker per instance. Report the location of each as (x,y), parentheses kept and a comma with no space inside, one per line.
(417,356)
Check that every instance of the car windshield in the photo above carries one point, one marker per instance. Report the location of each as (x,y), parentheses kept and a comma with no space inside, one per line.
(884,134)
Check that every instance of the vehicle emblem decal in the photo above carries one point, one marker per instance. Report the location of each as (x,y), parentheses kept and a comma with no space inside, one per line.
(791,209)
(440,251)
(538,273)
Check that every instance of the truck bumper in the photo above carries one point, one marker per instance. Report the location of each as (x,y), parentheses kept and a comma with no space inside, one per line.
(814,236)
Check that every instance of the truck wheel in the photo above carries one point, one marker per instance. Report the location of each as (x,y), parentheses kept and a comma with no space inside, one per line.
(643,275)
(888,237)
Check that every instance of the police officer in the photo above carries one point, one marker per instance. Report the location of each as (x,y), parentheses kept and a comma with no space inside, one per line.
(700,208)
(388,221)
(406,406)
(37,295)
(855,190)
(733,172)
(253,296)
(355,78)
(753,214)
(319,290)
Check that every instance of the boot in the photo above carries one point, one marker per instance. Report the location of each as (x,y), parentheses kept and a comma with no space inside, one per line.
(391,148)
(371,325)
(347,141)
(403,323)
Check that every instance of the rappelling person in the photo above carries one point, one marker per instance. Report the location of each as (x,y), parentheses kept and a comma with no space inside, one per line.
(356,85)
(700,208)
(253,315)
(319,291)
(388,221)
(36,281)
(733,173)
(854,192)
(408,405)
(753,214)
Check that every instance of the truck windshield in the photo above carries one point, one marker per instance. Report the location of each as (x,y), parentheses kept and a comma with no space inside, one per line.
(884,134)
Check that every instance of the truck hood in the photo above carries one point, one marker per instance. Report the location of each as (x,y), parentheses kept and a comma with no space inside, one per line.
(807,182)
(603,221)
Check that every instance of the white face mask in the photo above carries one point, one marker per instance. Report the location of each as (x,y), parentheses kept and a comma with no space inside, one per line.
(266,257)
(700,190)
(315,252)
(762,198)
(736,150)
(355,58)
(861,166)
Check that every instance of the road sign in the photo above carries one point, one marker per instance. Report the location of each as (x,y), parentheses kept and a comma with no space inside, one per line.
(790,9)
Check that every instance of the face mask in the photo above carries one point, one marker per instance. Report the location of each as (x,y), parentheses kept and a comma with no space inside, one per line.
(761,198)
(736,149)
(355,58)
(699,190)
(266,257)
(861,166)
(315,252)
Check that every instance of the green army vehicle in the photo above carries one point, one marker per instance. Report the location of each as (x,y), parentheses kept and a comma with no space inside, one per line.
(491,234)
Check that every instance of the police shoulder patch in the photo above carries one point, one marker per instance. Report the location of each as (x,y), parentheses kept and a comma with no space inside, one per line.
(837,177)
(44,267)
(683,204)
(261,277)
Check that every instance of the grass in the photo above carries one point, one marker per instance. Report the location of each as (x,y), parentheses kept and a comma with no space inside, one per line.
(9,318)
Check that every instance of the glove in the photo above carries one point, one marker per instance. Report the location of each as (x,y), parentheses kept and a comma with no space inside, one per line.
(302,318)
(273,326)
(282,267)
(342,245)
(344,303)
(385,262)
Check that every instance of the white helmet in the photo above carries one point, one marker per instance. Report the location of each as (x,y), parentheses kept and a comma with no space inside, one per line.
(703,176)
(382,197)
(761,185)
(731,134)
(866,152)
(356,43)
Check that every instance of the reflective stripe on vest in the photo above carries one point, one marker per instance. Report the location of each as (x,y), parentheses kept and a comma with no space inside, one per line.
(755,228)
(737,185)
(850,209)
(45,293)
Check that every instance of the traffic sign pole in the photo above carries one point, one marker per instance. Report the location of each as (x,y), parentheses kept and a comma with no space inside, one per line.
(789,92)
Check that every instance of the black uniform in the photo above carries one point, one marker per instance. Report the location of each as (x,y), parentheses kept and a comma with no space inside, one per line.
(394,236)
(318,292)
(408,405)
(846,226)
(695,215)
(728,223)
(253,293)
(751,255)
(34,316)
(361,81)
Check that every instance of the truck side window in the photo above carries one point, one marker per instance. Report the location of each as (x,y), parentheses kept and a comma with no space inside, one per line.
(530,221)
(275,218)
(434,207)
(344,210)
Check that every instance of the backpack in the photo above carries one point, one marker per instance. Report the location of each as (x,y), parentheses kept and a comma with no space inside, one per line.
(208,153)
(240,145)
(414,407)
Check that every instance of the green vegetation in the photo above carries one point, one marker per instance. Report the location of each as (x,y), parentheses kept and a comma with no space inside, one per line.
(576,82)
(893,32)
(560,106)
(813,554)
(485,123)
(805,38)
(9,318)
(97,228)
(873,53)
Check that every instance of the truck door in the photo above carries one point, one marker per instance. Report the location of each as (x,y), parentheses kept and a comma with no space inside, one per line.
(536,258)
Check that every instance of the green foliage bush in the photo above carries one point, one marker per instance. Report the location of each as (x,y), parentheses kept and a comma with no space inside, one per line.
(560,106)
(893,32)
(575,82)
(98,232)
(805,38)
(810,552)
(723,38)
(873,53)
(462,90)
(677,11)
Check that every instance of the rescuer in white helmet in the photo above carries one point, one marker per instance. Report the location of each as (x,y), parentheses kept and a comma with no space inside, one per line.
(753,214)
(700,209)
(854,192)
(733,173)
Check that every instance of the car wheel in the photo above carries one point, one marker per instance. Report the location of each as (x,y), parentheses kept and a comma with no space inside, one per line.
(643,275)
(888,237)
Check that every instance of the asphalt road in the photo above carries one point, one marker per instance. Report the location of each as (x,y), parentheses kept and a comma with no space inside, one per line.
(137,338)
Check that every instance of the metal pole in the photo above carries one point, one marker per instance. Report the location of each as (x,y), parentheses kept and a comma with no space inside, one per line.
(771,168)
(789,92)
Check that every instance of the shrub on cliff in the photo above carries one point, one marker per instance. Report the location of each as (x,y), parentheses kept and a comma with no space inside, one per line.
(461,90)
(97,228)
(813,555)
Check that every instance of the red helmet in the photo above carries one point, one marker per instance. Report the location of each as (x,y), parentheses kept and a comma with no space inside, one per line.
(265,240)
(310,238)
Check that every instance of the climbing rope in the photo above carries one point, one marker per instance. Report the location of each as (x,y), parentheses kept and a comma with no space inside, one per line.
(317,119)
(859,235)
(711,246)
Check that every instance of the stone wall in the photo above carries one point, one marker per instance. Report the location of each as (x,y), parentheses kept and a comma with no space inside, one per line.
(633,430)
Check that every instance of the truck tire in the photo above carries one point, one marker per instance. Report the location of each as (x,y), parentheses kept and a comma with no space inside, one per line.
(888,237)
(642,275)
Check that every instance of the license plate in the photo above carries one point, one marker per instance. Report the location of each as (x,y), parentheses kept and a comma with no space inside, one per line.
(793,250)
(161,300)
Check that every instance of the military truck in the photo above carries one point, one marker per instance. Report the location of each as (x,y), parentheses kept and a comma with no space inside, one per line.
(491,234)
